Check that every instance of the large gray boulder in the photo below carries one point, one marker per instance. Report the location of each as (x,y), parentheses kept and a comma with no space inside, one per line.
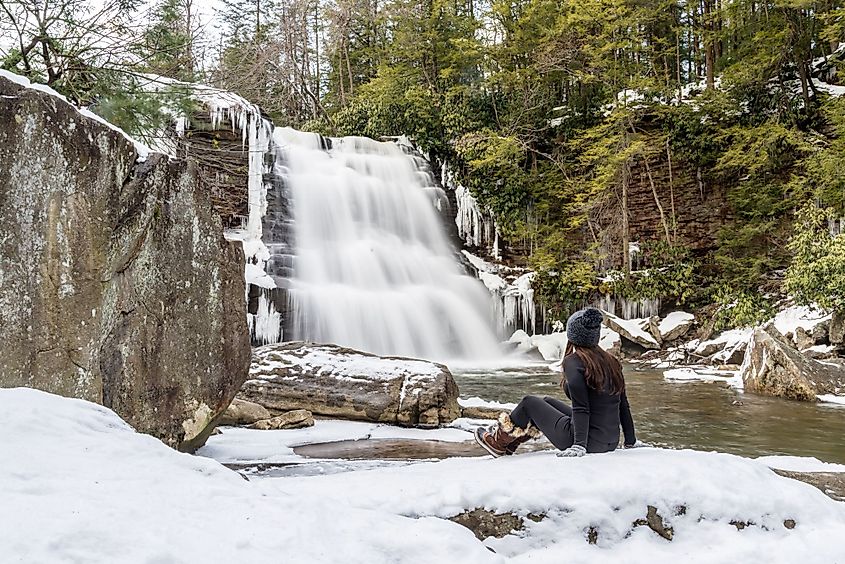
(343,383)
(773,367)
(116,284)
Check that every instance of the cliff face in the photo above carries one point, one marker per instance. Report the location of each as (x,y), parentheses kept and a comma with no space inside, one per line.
(700,209)
(116,284)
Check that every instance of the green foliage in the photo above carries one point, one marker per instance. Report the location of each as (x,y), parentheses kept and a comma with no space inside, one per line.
(826,167)
(817,271)
(740,308)
(672,276)
(496,174)
(562,291)
(166,45)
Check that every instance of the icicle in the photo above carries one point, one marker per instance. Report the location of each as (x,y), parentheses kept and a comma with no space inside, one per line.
(266,324)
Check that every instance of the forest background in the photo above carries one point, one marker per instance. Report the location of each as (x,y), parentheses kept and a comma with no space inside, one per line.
(547,110)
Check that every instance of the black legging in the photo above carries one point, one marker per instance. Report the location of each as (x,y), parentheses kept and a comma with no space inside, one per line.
(550,415)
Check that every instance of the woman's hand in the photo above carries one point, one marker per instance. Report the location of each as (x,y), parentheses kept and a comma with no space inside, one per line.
(573,451)
(638,444)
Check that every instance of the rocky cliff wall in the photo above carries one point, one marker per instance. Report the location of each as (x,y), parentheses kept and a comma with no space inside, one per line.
(116,284)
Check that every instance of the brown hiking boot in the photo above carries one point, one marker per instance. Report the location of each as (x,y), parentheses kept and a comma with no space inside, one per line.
(503,439)
(511,448)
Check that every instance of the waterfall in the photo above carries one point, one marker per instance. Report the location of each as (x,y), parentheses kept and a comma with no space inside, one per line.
(372,268)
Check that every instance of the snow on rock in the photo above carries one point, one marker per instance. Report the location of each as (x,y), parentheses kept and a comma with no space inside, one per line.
(697,494)
(338,382)
(610,340)
(237,445)
(787,321)
(800,464)
(631,329)
(726,345)
(519,336)
(551,347)
(702,374)
(675,325)
(82,486)
(490,404)
(831,398)
(142,150)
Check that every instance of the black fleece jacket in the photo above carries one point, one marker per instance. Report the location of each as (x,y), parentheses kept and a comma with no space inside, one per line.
(596,415)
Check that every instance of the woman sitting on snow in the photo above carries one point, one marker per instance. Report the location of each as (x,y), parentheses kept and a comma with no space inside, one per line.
(593,381)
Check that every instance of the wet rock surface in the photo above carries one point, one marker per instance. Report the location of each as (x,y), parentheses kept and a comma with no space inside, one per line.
(334,381)
(116,284)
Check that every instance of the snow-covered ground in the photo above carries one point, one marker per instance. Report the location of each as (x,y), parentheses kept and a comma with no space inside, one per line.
(82,486)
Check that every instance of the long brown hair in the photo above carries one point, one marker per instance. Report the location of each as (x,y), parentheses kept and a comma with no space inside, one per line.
(602,371)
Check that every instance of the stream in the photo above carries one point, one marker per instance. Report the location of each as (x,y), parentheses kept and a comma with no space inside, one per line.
(697,415)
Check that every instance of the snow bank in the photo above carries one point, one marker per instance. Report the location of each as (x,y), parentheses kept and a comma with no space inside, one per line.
(800,464)
(82,486)
(142,150)
(609,492)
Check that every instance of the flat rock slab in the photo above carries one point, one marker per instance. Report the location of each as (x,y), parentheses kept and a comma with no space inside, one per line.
(337,382)
(401,449)
(831,483)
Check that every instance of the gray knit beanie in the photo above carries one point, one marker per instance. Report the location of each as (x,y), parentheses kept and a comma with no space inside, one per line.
(583,328)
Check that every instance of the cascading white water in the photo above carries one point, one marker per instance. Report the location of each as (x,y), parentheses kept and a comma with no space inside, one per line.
(373,269)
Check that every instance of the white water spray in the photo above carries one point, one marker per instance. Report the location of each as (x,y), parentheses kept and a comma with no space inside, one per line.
(373,268)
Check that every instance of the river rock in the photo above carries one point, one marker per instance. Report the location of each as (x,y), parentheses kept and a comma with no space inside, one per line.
(485,523)
(631,330)
(803,339)
(773,367)
(334,381)
(296,419)
(675,325)
(242,412)
(116,284)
